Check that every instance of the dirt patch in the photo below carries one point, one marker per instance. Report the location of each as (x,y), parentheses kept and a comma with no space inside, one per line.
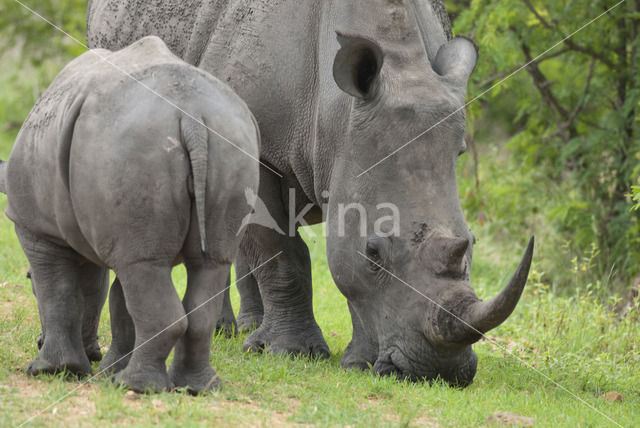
(257,416)
(77,409)
(506,419)
(31,397)
(375,402)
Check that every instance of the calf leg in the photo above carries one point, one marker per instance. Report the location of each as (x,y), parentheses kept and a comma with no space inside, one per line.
(203,301)
(159,320)
(94,282)
(54,273)
(123,333)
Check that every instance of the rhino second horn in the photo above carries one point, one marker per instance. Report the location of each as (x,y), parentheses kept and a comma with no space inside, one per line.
(454,253)
(484,316)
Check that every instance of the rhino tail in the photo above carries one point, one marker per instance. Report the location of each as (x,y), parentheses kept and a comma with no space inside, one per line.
(3,177)
(195,138)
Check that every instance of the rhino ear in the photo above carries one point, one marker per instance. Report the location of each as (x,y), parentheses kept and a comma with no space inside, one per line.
(457,59)
(356,68)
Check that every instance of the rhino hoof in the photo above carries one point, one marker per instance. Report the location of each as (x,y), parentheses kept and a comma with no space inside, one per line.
(303,341)
(195,383)
(227,326)
(143,381)
(93,352)
(114,362)
(42,366)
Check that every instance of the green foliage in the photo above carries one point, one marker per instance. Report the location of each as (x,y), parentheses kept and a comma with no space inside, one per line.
(32,52)
(36,39)
(572,120)
(635,194)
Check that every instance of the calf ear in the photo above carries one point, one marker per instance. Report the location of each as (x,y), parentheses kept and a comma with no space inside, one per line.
(356,68)
(457,59)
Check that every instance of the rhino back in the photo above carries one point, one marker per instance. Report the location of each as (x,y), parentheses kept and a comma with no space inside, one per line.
(276,54)
(184,25)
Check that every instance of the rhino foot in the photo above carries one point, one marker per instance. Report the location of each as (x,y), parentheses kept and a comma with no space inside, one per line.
(114,361)
(196,382)
(93,351)
(305,339)
(358,357)
(227,325)
(41,365)
(249,321)
(144,380)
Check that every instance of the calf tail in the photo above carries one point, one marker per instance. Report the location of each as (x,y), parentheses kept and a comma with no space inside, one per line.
(3,177)
(195,137)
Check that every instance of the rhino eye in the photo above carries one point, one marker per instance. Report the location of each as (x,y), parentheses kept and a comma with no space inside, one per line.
(373,255)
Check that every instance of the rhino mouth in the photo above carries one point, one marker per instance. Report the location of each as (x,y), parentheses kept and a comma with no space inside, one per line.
(397,364)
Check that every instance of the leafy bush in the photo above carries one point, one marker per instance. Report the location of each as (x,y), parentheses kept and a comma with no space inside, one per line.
(572,116)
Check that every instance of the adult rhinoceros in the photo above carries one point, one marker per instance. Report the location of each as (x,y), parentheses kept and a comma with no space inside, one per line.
(336,86)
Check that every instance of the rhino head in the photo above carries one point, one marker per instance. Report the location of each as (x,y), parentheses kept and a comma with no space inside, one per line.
(406,271)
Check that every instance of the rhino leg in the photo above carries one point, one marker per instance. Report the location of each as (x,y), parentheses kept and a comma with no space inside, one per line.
(94,282)
(251,309)
(362,351)
(123,333)
(191,367)
(159,320)
(288,326)
(55,273)
(227,321)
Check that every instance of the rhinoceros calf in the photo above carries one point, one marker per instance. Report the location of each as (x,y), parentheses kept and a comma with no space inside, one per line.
(114,169)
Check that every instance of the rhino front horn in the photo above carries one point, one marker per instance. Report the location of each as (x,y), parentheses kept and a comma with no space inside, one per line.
(483,316)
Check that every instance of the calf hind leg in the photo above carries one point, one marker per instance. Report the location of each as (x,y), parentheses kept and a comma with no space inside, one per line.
(203,302)
(123,333)
(159,321)
(93,281)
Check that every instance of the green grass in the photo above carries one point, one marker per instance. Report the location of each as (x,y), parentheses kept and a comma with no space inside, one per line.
(549,341)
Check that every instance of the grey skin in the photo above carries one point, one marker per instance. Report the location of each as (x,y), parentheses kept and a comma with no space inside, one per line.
(336,86)
(106,174)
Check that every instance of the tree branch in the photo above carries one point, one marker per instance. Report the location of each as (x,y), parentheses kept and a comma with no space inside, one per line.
(567,41)
(503,74)
(544,87)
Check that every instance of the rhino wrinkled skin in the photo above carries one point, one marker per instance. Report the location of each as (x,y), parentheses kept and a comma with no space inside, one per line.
(335,87)
(106,174)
